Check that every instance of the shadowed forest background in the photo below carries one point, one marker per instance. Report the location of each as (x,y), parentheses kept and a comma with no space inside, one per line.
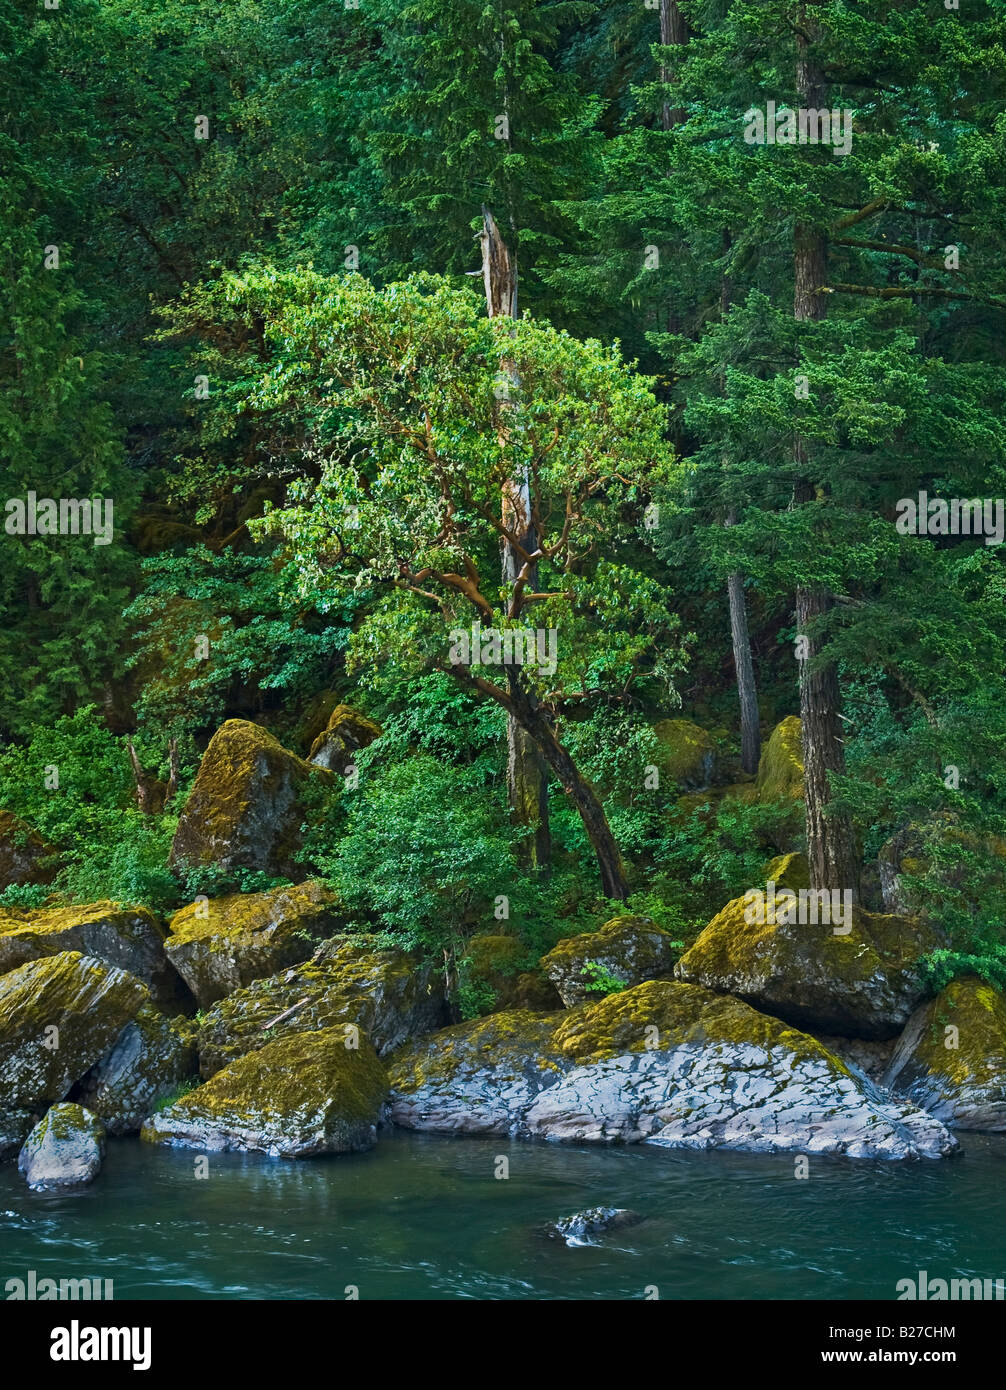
(265,336)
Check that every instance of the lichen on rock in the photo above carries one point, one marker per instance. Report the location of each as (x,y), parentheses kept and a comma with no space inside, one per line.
(951,1058)
(629,949)
(151,1058)
(129,938)
(58,1016)
(863,983)
(65,1149)
(385,992)
(297,1097)
(221,944)
(245,808)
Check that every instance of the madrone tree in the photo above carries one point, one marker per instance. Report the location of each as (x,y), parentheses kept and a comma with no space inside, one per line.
(405,463)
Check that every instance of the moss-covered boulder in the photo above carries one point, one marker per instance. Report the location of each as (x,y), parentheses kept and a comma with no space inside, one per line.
(780,769)
(384,992)
(153,1057)
(496,966)
(788,871)
(58,1016)
(245,808)
(478,1077)
(951,1058)
(15,1126)
(629,949)
(64,1149)
(346,732)
(217,946)
(686,754)
(663,1062)
(862,983)
(129,938)
(24,855)
(297,1097)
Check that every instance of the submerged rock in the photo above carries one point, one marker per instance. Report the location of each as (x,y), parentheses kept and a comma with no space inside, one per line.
(131,939)
(664,1062)
(385,992)
(582,1225)
(151,1058)
(951,1058)
(58,1016)
(630,949)
(297,1097)
(64,1149)
(346,732)
(244,810)
(220,945)
(863,984)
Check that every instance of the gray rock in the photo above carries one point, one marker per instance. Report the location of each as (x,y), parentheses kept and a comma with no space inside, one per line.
(629,949)
(152,1058)
(386,993)
(663,1062)
(223,944)
(131,939)
(951,1058)
(245,809)
(58,1016)
(579,1228)
(297,1097)
(64,1149)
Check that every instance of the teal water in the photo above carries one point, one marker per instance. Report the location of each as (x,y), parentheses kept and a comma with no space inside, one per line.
(422,1217)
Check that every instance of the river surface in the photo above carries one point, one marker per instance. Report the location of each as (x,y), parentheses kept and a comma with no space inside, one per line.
(424,1217)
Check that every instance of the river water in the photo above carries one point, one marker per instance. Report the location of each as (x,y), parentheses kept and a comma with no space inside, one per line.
(424,1217)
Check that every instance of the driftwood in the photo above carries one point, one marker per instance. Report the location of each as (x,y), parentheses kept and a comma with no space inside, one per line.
(287,1013)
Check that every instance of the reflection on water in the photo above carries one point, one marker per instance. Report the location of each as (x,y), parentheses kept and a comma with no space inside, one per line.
(424,1217)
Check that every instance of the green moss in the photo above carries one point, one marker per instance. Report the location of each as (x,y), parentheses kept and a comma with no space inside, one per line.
(685,751)
(780,771)
(788,871)
(979,1013)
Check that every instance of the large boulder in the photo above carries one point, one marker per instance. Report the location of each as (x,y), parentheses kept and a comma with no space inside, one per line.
(780,768)
(686,754)
(297,1097)
(58,1016)
(245,809)
(864,983)
(130,938)
(629,949)
(479,1077)
(663,1062)
(385,992)
(64,1149)
(346,732)
(151,1059)
(24,855)
(951,1058)
(219,945)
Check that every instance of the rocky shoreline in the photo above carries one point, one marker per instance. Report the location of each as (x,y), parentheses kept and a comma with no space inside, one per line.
(257,1022)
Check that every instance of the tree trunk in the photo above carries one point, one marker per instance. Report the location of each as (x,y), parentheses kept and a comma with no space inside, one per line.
(673,32)
(831,841)
(744,666)
(535,721)
(527,780)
